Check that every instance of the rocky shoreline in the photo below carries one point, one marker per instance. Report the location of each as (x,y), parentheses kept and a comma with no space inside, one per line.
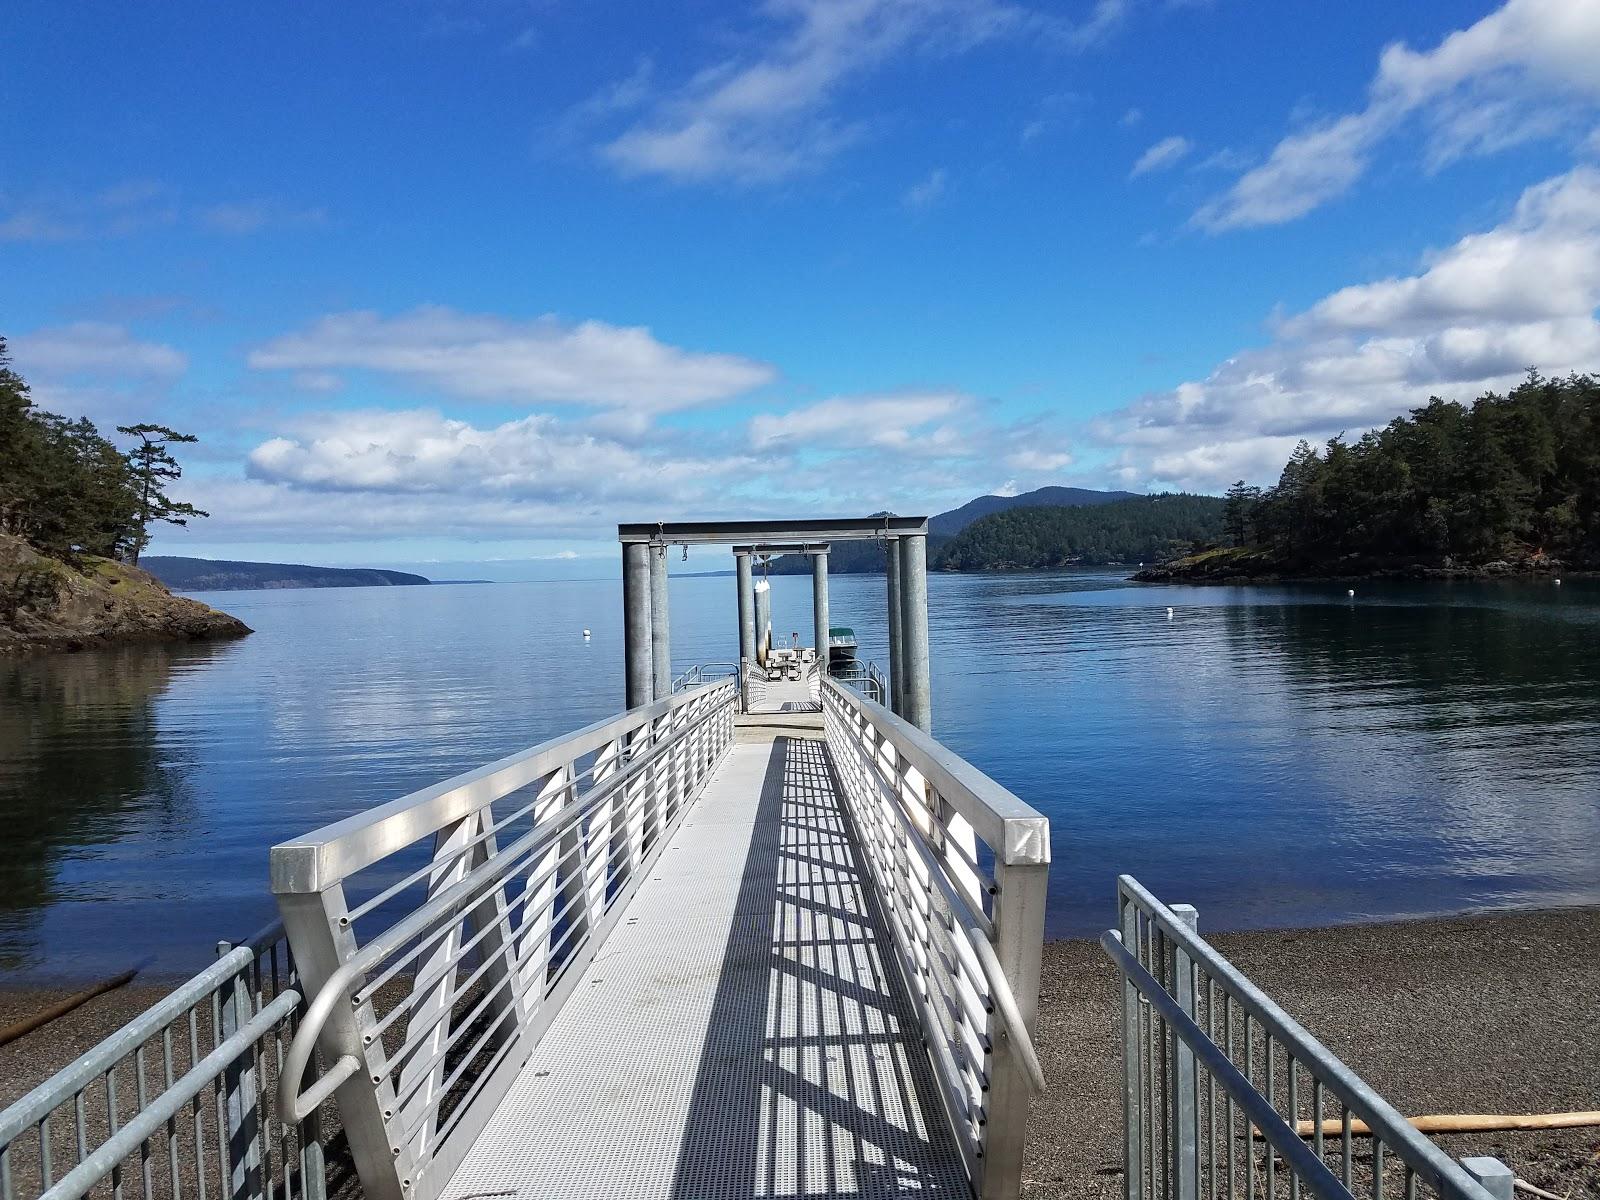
(49,605)
(1247,565)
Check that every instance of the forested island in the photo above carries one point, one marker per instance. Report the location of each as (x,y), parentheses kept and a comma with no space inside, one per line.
(227,575)
(866,558)
(1509,484)
(1144,528)
(75,513)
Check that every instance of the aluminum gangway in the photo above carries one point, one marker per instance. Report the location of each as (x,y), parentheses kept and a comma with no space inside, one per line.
(676,955)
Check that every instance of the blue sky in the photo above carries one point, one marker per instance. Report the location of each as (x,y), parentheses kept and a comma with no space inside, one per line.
(468,282)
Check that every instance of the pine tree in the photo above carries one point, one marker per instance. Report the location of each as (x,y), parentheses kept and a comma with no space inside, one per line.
(153,468)
(1238,512)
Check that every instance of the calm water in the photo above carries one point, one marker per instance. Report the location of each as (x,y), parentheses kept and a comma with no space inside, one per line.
(1277,756)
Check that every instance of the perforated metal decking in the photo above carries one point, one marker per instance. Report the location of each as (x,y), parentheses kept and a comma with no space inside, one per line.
(741,1034)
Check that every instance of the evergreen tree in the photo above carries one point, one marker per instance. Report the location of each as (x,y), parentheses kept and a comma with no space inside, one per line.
(66,490)
(1237,511)
(153,468)
(1515,475)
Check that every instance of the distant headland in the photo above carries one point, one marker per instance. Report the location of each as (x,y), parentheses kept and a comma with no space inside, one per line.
(226,575)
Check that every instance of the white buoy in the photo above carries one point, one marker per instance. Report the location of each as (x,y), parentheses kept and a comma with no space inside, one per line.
(1169,614)
(1351,592)
(586,635)
(1558,583)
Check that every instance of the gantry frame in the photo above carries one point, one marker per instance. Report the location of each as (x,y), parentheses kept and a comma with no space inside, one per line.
(647,627)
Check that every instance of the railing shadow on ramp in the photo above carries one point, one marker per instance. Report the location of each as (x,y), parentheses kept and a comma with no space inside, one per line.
(812,1080)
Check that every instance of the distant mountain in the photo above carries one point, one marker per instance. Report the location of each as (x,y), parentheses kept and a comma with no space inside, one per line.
(1139,529)
(866,558)
(220,575)
(957,519)
(847,558)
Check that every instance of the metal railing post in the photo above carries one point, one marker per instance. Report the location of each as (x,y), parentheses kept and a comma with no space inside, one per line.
(240,1087)
(322,938)
(1132,1051)
(1183,1115)
(1497,1179)
(1019,945)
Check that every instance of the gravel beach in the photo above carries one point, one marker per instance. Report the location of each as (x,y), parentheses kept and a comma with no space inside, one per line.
(1482,1014)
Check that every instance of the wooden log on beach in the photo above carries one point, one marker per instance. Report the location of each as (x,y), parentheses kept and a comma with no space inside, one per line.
(1464,1123)
(62,1007)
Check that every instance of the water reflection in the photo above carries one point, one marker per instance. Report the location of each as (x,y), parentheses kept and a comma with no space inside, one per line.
(80,771)
(1278,756)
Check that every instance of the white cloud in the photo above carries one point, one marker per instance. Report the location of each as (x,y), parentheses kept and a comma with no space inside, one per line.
(926,192)
(1165,153)
(93,348)
(1131,118)
(1525,71)
(772,114)
(1031,458)
(889,421)
(496,358)
(421,451)
(376,474)
(1473,318)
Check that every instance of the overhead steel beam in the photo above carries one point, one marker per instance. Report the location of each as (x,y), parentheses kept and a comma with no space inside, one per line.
(785,548)
(722,533)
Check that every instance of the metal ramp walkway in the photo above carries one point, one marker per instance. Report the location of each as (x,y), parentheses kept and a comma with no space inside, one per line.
(657,959)
(742,1033)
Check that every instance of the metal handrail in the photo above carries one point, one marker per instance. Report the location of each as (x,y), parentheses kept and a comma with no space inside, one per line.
(244,1004)
(127,1140)
(467,974)
(1261,1115)
(864,676)
(336,851)
(1017,832)
(704,673)
(1195,955)
(965,944)
(448,905)
(26,1111)
(975,929)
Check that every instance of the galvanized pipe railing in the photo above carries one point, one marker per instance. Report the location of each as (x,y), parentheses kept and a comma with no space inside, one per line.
(1224,1091)
(178,1098)
(959,868)
(865,677)
(441,933)
(704,673)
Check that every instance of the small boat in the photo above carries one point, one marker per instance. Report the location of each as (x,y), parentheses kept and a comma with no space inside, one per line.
(841,644)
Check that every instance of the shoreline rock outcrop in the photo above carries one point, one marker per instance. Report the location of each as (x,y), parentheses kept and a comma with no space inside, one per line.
(47,604)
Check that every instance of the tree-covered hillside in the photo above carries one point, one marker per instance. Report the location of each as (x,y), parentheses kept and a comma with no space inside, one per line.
(224,575)
(957,519)
(1141,529)
(67,491)
(866,558)
(1514,477)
